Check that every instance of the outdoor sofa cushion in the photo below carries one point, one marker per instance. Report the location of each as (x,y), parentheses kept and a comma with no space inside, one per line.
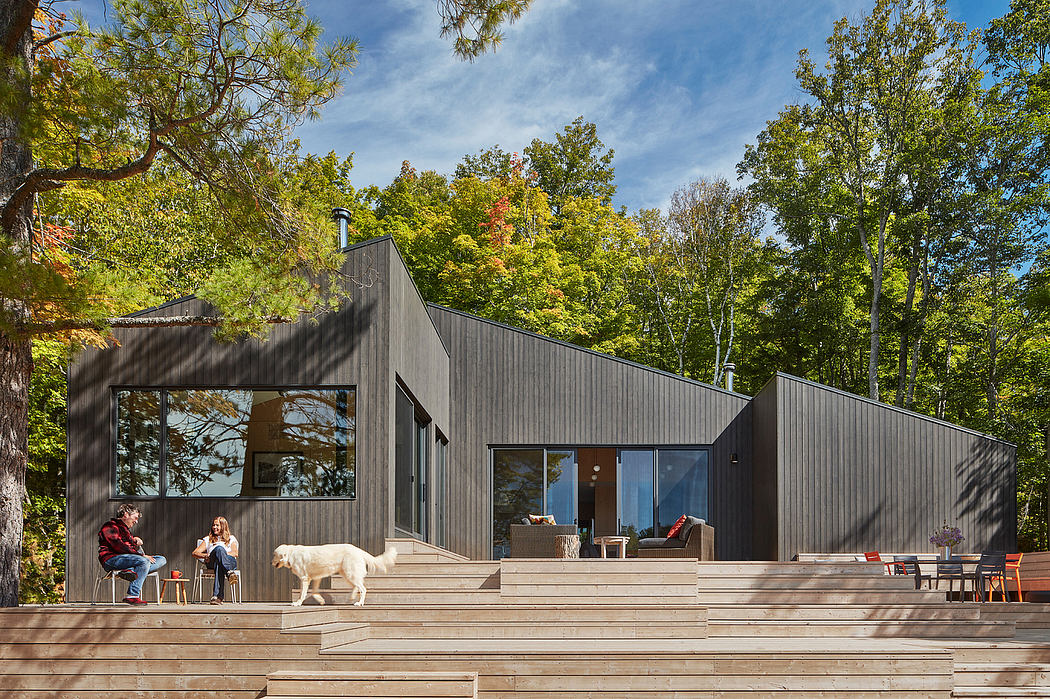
(660,542)
(676,527)
(689,523)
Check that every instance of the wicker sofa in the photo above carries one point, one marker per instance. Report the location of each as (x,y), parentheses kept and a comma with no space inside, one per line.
(536,540)
(698,542)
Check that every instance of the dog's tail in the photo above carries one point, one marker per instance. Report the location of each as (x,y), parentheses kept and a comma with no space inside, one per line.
(383,562)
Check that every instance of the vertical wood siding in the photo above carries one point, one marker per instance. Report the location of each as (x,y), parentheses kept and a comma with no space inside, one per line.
(348,348)
(855,475)
(511,387)
(420,361)
(764,503)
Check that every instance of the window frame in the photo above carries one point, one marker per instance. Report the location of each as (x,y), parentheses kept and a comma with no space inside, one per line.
(116,389)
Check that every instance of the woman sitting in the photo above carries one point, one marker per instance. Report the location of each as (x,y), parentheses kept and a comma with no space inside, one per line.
(218,550)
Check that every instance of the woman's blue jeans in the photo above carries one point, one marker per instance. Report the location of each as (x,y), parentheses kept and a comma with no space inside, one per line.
(222,563)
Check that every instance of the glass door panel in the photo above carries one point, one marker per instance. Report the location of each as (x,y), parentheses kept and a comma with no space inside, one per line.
(517,491)
(561,486)
(682,480)
(636,497)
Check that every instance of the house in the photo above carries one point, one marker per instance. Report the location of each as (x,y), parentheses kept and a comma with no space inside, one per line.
(394,417)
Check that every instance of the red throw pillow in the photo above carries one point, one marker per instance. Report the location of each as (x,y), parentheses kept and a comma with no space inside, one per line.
(676,527)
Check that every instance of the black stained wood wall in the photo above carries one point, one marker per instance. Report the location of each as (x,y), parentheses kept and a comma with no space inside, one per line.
(764,474)
(347,348)
(515,388)
(856,475)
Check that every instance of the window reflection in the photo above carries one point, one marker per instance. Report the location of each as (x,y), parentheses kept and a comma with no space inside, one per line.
(138,443)
(228,442)
(517,482)
(682,477)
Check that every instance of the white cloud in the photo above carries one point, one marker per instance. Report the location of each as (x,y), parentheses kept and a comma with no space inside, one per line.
(676,87)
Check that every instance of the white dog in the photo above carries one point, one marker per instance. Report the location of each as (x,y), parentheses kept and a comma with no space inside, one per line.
(312,563)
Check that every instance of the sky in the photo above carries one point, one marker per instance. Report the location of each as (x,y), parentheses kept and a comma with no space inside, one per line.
(676,87)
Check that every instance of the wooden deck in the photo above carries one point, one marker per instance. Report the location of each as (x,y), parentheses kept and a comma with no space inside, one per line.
(547,629)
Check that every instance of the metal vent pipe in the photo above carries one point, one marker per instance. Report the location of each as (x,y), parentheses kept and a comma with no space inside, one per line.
(342,217)
(729,368)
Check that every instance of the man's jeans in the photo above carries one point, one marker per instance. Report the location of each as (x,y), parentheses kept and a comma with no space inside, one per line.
(222,563)
(139,564)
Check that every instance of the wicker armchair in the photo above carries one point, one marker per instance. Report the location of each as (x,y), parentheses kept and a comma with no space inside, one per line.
(699,543)
(536,540)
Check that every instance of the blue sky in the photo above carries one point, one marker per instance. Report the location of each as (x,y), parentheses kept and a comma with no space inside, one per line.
(676,87)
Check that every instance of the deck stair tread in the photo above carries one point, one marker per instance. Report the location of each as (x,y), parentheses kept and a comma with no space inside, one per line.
(722,612)
(338,683)
(541,613)
(977,692)
(712,647)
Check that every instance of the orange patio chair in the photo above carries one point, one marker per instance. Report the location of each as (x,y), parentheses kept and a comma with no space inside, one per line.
(1013,569)
(874,556)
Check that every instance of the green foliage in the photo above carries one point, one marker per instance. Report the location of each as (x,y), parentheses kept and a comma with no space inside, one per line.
(475,23)
(573,165)
(44,542)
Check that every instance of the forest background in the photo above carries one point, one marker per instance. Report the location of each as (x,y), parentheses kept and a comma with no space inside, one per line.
(887,237)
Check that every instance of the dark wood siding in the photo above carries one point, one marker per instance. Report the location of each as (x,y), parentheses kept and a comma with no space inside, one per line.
(420,362)
(764,501)
(856,475)
(511,387)
(350,347)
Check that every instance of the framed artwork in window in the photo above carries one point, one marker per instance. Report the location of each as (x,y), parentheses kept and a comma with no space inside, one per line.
(272,469)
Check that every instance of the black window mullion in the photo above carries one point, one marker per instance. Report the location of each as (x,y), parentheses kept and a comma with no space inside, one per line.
(163,444)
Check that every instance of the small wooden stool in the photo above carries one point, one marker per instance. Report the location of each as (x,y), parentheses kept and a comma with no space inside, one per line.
(567,546)
(180,590)
(619,544)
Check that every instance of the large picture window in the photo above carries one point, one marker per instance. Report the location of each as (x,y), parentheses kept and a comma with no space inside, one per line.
(236,443)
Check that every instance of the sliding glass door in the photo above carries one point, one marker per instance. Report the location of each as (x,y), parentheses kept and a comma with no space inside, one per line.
(530,481)
(636,492)
(656,486)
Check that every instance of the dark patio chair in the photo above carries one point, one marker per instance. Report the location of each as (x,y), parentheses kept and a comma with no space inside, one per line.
(991,568)
(952,571)
(909,565)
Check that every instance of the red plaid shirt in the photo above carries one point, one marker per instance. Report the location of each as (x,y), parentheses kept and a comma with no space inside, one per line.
(115,538)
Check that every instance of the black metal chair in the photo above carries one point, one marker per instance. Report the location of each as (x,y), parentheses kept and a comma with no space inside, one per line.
(991,567)
(952,571)
(909,565)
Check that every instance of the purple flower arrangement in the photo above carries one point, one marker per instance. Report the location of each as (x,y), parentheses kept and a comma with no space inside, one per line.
(947,536)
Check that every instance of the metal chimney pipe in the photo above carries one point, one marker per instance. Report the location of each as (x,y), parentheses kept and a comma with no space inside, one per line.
(342,217)
(729,368)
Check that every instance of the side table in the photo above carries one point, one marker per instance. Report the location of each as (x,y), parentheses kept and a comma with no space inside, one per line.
(619,544)
(180,589)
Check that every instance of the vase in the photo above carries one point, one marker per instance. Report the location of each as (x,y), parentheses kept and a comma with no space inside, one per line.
(946,552)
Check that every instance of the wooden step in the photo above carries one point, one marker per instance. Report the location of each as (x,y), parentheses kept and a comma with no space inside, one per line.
(1002,674)
(338,683)
(709,569)
(999,692)
(684,668)
(786,628)
(408,597)
(1026,616)
(438,568)
(426,581)
(807,582)
(853,612)
(527,630)
(415,550)
(841,597)
(538,614)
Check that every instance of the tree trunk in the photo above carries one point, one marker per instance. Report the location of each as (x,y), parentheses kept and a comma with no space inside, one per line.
(16,366)
(16,358)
